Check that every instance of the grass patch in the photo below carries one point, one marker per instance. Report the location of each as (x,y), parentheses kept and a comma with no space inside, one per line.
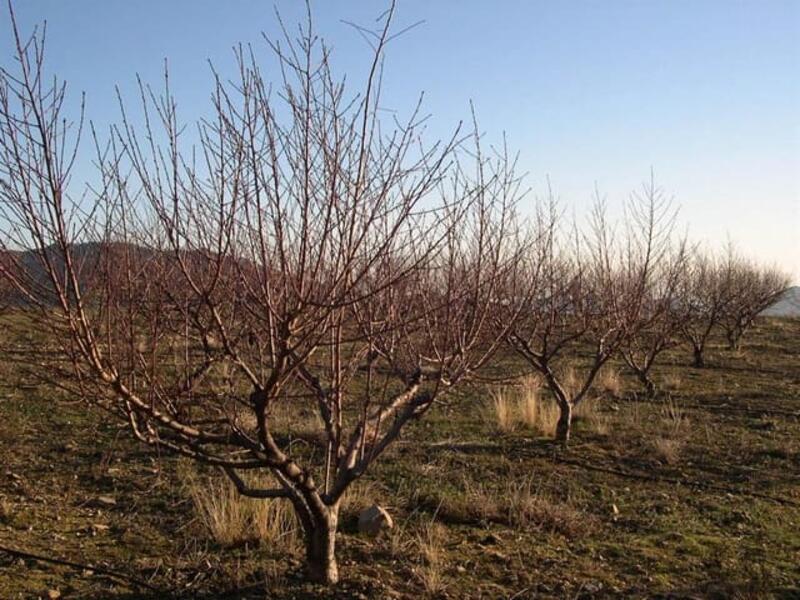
(476,514)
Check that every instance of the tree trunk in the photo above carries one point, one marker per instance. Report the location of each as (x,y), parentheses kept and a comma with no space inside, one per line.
(699,361)
(731,340)
(735,339)
(649,384)
(321,548)
(564,424)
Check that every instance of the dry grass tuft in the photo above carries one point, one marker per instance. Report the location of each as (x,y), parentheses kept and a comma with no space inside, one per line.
(399,541)
(533,508)
(635,416)
(673,417)
(481,503)
(570,380)
(673,382)
(285,417)
(536,412)
(667,450)
(430,543)
(547,418)
(588,412)
(523,506)
(503,408)
(673,431)
(609,382)
(523,406)
(358,496)
(233,519)
(529,402)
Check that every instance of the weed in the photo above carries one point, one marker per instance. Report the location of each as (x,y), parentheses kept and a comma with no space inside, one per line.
(669,440)
(609,382)
(524,406)
(589,413)
(233,519)
(503,409)
(673,382)
(430,541)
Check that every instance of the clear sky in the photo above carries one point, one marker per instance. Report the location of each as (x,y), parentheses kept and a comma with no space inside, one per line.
(707,93)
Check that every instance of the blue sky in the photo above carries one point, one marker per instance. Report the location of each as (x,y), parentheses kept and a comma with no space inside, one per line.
(590,92)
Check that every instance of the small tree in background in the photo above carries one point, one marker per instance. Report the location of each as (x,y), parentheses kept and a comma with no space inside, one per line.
(300,257)
(755,288)
(705,295)
(586,295)
(663,261)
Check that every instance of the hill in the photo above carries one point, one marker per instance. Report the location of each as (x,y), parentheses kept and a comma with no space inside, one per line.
(787,306)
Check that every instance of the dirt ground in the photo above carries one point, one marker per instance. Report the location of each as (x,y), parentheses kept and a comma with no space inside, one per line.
(695,494)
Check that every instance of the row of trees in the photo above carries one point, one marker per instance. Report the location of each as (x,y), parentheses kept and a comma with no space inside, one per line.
(594,297)
(298,255)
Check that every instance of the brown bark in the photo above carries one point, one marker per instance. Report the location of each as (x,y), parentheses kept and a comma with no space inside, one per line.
(647,382)
(699,361)
(735,339)
(320,541)
(564,425)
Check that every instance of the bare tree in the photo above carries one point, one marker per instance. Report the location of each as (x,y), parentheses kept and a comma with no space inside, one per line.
(300,257)
(755,288)
(583,304)
(662,261)
(705,295)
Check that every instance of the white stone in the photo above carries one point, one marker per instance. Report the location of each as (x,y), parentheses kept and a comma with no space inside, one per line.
(373,520)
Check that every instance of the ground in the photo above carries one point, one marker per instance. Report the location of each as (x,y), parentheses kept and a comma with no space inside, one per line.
(691,495)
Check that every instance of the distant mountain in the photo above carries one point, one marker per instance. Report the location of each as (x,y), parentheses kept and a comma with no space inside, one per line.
(94,261)
(89,260)
(788,305)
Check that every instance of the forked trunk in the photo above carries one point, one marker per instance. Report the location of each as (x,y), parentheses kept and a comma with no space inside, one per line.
(321,548)
(735,339)
(649,384)
(731,336)
(699,362)
(564,424)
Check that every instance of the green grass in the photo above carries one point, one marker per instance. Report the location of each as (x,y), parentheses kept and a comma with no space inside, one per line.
(708,524)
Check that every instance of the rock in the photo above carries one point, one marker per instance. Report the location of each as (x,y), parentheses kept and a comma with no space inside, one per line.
(373,520)
(53,594)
